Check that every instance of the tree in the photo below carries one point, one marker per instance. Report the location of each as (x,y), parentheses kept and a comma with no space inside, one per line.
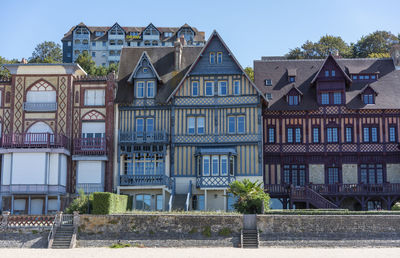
(374,44)
(250,196)
(87,63)
(46,52)
(81,204)
(3,71)
(250,72)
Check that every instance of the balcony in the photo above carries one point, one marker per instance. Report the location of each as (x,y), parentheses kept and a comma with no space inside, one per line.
(90,146)
(89,188)
(32,189)
(214,181)
(34,140)
(143,137)
(146,180)
(40,107)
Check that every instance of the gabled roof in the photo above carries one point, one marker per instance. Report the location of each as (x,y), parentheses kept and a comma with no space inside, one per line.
(330,57)
(144,55)
(368,87)
(151,24)
(116,24)
(295,89)
(215,34)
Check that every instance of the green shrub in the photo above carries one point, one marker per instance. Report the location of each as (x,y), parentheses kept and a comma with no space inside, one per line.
(109,203)
(396,206)
(80,204)
(225,232)
(250,196)
(193,231)
(207,231)
(120,245)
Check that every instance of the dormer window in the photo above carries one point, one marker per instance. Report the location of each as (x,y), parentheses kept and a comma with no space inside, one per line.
(333,73)
(99,33)
(368,95)
(326,73)
(269,96)
(368,99)
(293,100)
(292,79)
(268,82)
(219,57)
(212,58)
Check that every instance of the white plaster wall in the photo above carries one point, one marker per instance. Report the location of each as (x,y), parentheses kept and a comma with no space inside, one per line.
(6,169)
(182,184)
(215,200)
(63,172)
(90,172)
(393,173)
(317,173)
(350,173)
(29,168)
(54,169)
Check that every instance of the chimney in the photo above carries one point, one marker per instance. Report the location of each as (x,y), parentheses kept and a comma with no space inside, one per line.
(24,61)
(395,54)
(178,44)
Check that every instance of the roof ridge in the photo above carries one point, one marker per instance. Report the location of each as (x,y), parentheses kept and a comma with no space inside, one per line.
(321,59)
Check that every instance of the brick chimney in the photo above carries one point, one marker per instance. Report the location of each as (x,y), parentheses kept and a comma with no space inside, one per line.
(178,44)
(395,54)
(24,61)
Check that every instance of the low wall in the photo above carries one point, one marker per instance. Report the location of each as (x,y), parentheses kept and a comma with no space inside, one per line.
(23,237)
(160,230)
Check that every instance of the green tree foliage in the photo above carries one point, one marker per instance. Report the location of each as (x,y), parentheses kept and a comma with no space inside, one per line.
(375,44)
(87,64)
(250,196)
(396,206)
(321,49)
(82,203)
(47,52)
(250,72)
(3,71)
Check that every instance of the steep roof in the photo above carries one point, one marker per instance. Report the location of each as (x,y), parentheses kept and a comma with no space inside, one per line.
(163,61)
(387,85)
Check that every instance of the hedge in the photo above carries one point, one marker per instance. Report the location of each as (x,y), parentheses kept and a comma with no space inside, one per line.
(109,203)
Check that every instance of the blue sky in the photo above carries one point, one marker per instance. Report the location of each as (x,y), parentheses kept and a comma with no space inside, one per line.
(250,28)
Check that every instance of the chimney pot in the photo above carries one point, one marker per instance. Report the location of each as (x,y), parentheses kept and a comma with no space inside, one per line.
(395,54)
(24,61)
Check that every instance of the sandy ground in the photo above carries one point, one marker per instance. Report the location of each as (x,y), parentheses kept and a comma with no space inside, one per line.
(201,252)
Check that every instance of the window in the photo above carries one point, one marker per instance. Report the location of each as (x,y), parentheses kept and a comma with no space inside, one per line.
(147,43)
(94,97)
(140,89)
(219,57)
(200,125)
(293,100)
(150,89)
(224,165)
(154,43)
(374,134)
(326,73)
(143,202)
(271,135)
(120,42)
(222,88)
(93,44)
(139,125)
(294,174)
(366,134)
(268,82)
(292,79)
(349,134)
(236,87)
(93,54)
(373,77)
(99,33)
(145,70)
(332,134)
(69,43)
(104,43)
(212,58)
(298,135)
(206,165)
(268,96)
(354,77)
(392,134)
(167,34)
(149,125)
(315,135)
(68,54)
(371,173)
(209,88)
(333,73)
(191,125)
(160,202)
(368,98)
(333,175)
(325,98)
(294,135)
(370,134)
(231,124)
(85,42)
(366,77)
(290,135)
(195,89)
(215,165)
(76,52)
(337,98)
(241,124)
(77,41)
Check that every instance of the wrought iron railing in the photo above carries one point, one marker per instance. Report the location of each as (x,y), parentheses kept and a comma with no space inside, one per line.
(143,137)
(40,107)
(214,181)
(32,189)
(90,146)
(90,188)
(143,180)
(34,140)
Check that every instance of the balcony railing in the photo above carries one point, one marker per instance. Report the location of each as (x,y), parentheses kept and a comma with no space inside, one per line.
(34,140)
(341,189)
(143,137)
(40,107)
(214,181)
(90,188)
(33,189)
(90,146)
(146,180)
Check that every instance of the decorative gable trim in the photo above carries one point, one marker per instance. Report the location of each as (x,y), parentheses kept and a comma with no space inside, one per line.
(294,89)
(138,65)
(93,115)
(348,79)
(368,89)
(150,25)
(214,34)
(116,24)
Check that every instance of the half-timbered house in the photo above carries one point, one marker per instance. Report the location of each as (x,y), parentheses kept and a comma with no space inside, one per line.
(331,131)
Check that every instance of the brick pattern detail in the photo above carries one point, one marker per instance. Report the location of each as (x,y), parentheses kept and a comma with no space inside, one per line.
(18,105)
(62,105)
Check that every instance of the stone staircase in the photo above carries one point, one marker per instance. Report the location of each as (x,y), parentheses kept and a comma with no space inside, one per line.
(306,194)
(249,238)
(63,232)
(63,237)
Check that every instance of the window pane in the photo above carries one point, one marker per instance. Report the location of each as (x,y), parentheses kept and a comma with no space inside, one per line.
(219,58)
(206,165)
(316,135)
(215,165)
(200,125)
(146,202)
(241,126)
(231,124)
(139,125)
(222,88)
(290,135)
(140,89)
(348,134)
(212,58)
(195,89)
(150,89)
(209,88)
(366,134)
(325,98)
(298,135)
(392,134)
(236,87)
(224,165)
(271,135)
(335,134)
(149,125)
(139,202)
(337,98)
(191,125)
(374,134)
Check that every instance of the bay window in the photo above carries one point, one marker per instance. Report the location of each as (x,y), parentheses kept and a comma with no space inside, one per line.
(216,165)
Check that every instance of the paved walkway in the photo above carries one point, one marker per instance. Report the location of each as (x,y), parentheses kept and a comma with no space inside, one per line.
(201,252)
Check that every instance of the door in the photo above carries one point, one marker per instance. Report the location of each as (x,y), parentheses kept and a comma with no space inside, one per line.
(37,206)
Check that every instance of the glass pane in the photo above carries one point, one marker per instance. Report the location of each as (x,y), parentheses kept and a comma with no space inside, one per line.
(215,165)
(374,134)
(241,124)
(139,125)
(231,124)
(139,202)
(147,202)
(191,122)
(298,135)
(290,135)
(160,202)
(206,166)
(149,125)
(224,165)
(366,134)
(200,125)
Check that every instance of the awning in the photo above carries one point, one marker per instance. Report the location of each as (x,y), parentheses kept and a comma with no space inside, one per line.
(215,151)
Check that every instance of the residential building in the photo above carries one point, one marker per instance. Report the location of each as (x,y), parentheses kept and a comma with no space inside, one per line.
(54,132)
(104,44)
(189,124)
(331,131)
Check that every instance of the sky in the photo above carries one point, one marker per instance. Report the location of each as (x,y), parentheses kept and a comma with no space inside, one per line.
(251,28)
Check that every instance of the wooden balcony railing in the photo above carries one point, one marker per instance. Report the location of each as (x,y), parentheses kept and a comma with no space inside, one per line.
(146,180)
(34,140)
(40,107)
(143,137)
(89,188)
(33,189)
(90,146)
(214,181)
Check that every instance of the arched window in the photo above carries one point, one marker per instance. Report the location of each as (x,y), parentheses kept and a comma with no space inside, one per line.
(77,41)
(85,42)
(120,42)
(112,42)
(77,52)
(155,43)
(40,127)
(41,92)
(39,133)
(147,43)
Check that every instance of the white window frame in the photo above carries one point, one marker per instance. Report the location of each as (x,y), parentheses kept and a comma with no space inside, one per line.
(236,87)
(191,124)
(200,121)
(149,85)
(209,84)
(142,86)
(222,166)
(243,118)
(195,84)
(98,97)
(206,160)
(215,170)
(220,86)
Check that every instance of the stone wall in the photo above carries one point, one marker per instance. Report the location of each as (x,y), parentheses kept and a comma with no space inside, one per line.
(317,173)
(23,237)
(160,230)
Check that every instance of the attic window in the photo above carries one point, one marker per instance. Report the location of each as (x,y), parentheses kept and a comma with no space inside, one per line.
(268,82)
(99,33)
(327,73)
(167,34)
(145,70)
(365,77)
(269,96)
(368,99)
(292,78)
(293,100)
